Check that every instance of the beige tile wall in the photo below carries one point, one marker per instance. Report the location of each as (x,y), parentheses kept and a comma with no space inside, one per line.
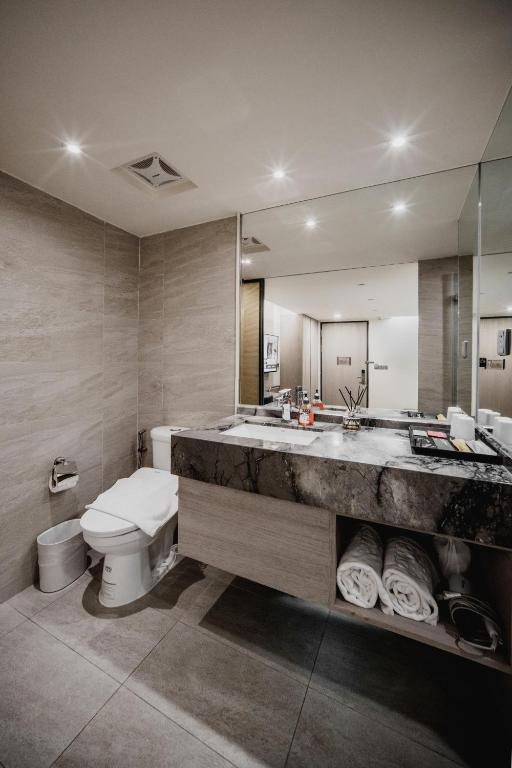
(89,343)
(187,325)
(68,364)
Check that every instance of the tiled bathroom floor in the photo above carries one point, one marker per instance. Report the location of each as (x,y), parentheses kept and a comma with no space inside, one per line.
(211,671)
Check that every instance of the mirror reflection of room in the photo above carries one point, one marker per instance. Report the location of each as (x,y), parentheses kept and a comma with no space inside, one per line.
(495,299)
(366,289)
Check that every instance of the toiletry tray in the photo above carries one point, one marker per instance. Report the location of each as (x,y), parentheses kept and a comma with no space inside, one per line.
(419,447)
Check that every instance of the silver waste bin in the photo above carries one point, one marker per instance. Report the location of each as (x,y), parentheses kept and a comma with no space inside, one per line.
(62,555)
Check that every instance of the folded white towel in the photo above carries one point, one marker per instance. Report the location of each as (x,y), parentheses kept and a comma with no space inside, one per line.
(409,578)
(359,570)
(147,499)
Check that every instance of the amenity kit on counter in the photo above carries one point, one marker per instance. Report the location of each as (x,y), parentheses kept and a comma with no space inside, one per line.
(402,578)
(458,442)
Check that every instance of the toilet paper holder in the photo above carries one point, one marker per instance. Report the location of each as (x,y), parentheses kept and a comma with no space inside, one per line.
(64,475)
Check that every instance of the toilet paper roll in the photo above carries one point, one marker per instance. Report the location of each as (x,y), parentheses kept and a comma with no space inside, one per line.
(452,409)
(492,418)
(483,415)
(503,429)
(462,426)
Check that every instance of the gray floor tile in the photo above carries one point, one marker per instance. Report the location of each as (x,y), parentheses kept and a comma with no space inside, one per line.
(439,700)
(272,626)
(241,708)
(9,618)
(332,735)
(48,694)
(115,639)
(31,600)
(128,733)
(183,586)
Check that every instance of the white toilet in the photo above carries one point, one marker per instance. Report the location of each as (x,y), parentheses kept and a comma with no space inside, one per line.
(134,562)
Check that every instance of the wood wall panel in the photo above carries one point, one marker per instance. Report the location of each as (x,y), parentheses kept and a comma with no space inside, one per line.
(250,323)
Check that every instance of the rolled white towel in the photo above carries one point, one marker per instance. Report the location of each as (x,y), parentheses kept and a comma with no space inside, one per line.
(409,578)
(360,568)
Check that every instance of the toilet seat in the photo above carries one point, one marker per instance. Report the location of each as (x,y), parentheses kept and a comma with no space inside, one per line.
(102,525)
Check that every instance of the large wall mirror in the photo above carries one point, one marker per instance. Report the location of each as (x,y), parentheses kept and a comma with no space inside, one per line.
(495,295)
(372,286)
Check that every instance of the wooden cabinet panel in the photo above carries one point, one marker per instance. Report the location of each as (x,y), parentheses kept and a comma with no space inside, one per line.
(278,543)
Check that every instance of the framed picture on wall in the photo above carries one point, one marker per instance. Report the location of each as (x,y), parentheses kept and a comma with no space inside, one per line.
(270,352)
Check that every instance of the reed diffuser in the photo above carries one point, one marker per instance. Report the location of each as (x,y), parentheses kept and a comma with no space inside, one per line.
(352,419)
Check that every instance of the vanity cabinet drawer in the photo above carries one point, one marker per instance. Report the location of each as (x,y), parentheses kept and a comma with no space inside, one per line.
(277,543)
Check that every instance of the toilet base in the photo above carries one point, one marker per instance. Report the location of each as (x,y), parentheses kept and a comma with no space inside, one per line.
(125,578)
(128,577)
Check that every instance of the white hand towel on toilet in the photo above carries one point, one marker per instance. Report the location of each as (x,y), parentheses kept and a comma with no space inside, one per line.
(409,578)
(359,571)
(147,499)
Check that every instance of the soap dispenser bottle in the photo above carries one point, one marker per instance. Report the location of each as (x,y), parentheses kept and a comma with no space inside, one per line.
(310,411)
(317,403)
(287,409)
(305,412)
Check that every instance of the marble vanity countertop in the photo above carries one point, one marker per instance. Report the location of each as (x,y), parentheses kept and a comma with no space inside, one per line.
(371,475)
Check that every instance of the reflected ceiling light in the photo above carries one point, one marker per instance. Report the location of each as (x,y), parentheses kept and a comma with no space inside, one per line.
(311,223)
(399,207)
(246,261)
(278,173)
(73,148)
(337,316)
(509,309)
(398,141)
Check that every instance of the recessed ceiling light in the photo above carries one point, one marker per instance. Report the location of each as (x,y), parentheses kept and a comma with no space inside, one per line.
(73,148)
(361,283)
(509,309)
(398,141)
(278,173)
(246,261)
(337,316)
(399,207)
(310,223)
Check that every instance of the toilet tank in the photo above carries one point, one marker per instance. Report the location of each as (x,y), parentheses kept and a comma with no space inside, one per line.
(161,440)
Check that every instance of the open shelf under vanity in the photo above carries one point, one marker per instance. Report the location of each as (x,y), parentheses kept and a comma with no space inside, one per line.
(441,636)
(492,567)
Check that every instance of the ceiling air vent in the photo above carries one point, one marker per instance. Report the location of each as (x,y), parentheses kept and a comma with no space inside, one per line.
(253,245)
(154,171)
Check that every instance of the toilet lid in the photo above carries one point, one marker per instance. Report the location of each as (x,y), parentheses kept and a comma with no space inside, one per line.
(101,524)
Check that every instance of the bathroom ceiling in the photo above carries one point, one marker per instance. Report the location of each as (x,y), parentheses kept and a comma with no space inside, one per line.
(353,294)
(230,90)
(361,228)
